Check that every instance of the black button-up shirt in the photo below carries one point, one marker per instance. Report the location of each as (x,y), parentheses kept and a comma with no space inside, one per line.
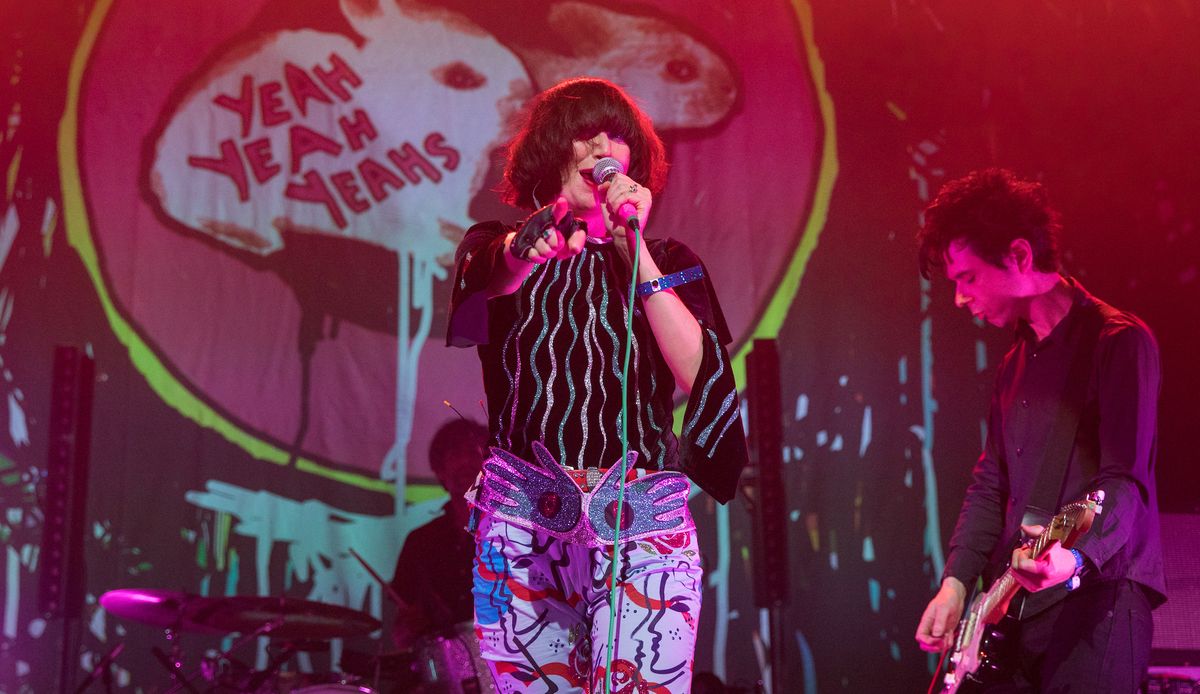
(1114,450)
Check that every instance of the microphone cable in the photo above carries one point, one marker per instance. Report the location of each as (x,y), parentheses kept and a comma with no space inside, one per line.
(635,228)
(603,171)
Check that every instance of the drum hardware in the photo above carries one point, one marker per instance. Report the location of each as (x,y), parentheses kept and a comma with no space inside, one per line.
(297,625)
(277,660)
(168,609)
(222,657)
(102,670)
(174,664)
(277,617)
(291,619)
(400,671)
(377,669)
(172,611)
(223,671)
(448,662)
(228,673)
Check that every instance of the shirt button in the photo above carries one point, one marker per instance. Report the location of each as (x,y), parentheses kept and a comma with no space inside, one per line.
(1020,450)
(1025,404)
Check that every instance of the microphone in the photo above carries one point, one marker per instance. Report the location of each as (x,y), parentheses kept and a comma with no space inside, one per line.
(603,172)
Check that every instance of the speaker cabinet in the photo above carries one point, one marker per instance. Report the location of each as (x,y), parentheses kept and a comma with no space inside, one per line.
(64,498)
(769,549)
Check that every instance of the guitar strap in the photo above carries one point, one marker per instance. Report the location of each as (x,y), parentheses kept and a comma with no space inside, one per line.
(1052,473)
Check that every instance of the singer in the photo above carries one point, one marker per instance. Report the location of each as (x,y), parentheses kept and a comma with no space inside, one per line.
(547,304)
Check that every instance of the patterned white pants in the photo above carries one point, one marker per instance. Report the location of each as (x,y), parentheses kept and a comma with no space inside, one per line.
(542,611)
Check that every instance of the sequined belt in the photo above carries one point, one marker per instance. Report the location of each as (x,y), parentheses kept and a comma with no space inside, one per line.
(589,478)
(545,496)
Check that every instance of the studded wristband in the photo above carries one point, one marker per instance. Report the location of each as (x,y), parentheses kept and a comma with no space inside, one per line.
(672,280)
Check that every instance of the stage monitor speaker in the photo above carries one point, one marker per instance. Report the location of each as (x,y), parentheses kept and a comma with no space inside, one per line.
(64,498)
(1177,622)
(769,549)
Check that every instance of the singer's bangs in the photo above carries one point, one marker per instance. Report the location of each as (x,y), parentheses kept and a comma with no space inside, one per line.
(578,109)
(593,114)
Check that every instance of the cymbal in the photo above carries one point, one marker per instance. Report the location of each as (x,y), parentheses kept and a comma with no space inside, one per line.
(168,609)
(285,618)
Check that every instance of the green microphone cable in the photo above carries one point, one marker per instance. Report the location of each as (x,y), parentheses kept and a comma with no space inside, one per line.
(634,227)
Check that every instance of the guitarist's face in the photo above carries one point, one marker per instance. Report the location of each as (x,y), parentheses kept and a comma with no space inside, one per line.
(991,293)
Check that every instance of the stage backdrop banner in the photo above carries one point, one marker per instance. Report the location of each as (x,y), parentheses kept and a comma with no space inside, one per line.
(264,198)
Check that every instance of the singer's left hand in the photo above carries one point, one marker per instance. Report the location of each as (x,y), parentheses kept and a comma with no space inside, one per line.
(618,191)
(555,245)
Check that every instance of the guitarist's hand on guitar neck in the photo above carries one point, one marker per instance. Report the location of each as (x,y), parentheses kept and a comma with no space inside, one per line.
(935,632)
(1054,568)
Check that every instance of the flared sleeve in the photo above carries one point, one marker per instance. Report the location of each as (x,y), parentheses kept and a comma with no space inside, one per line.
(712,442)
(476,260)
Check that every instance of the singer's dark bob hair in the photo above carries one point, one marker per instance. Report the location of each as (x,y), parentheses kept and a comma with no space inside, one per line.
(989,209)
(577,109)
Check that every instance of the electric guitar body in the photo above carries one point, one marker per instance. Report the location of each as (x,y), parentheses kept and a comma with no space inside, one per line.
(983,643)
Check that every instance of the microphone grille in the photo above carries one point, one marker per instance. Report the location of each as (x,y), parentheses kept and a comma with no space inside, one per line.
(605,169)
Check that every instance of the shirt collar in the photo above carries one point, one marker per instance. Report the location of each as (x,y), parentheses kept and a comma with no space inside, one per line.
(1080,298)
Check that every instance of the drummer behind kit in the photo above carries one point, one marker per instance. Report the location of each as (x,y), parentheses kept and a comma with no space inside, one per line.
(443,660)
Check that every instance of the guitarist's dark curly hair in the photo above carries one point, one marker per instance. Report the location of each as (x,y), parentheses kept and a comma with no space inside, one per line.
(989,209)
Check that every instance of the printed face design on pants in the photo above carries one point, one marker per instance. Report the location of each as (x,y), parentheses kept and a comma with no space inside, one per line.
(542,611)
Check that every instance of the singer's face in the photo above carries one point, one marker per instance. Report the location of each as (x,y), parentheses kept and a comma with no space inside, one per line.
(578,188)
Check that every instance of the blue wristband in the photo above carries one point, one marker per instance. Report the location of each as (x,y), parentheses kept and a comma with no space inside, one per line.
(672,280)
(1073,582)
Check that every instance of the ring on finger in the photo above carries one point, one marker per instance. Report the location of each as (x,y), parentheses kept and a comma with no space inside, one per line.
(633,187)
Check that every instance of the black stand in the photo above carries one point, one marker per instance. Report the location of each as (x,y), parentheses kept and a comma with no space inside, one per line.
(64,501)
(103,669)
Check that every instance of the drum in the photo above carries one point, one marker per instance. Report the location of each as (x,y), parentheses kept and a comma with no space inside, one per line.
(389,673)
(315,683)
(449,663)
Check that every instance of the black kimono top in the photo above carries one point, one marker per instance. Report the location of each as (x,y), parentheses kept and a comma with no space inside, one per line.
(552,353)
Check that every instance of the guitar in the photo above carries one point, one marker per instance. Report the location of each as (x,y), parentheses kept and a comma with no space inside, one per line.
(976,639)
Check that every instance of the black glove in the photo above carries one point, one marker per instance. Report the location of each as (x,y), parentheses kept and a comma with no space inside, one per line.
(540,225)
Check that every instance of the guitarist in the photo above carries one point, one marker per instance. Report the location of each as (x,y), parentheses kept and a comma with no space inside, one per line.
(1083,621)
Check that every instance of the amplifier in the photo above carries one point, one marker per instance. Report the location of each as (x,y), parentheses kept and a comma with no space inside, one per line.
(1176,626)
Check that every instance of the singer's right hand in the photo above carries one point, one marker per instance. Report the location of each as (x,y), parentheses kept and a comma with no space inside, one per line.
(625,197)
(555,246)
